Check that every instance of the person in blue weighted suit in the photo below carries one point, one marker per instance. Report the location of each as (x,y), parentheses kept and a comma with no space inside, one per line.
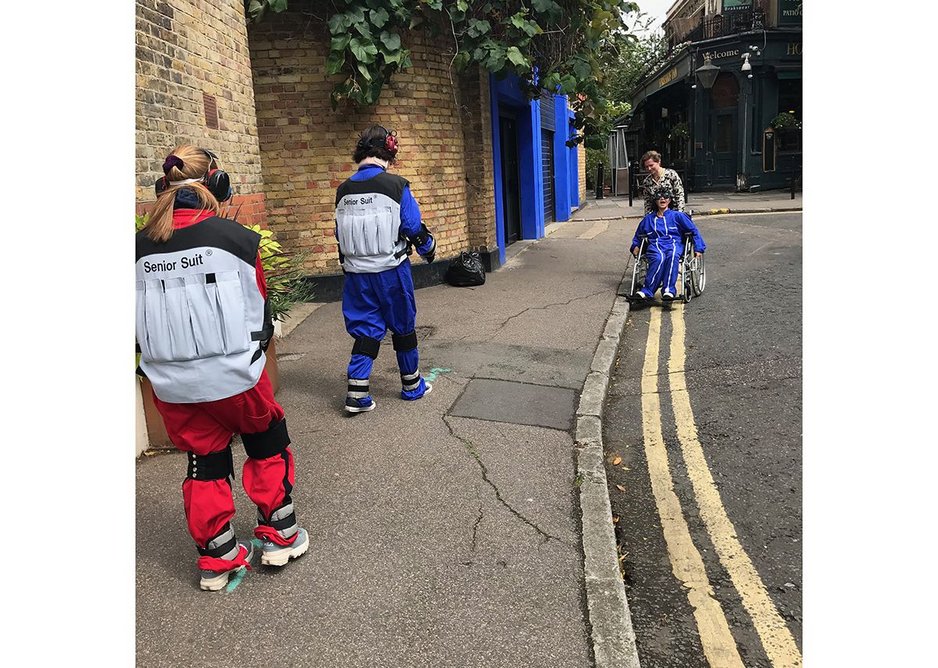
(377,225)
(664,229)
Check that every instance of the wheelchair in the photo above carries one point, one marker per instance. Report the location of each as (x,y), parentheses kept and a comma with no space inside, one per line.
(692,271)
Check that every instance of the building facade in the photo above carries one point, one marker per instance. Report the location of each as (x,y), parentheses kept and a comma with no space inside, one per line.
(725,106)
(487,166)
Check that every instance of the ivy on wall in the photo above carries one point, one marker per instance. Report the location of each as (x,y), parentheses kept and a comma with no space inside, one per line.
(549,44)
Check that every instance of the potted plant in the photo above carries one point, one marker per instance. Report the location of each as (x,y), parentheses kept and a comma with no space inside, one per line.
(680,131)
(286,287)
(788,127)
(785,121)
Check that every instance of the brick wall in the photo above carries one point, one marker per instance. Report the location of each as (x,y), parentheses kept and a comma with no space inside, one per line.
(306,148)
(480,177)
(581,167)
(193,58)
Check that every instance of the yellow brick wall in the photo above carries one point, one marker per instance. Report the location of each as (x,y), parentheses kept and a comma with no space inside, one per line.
(581,167)
(306,147)
(480,168)
(186,48)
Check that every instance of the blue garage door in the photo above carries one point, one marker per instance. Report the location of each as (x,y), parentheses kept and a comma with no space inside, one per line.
(547,167)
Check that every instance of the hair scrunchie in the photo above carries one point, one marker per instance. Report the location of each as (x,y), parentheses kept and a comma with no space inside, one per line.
(173,161)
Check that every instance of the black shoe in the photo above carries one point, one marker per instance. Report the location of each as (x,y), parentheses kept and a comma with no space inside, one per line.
(667,297)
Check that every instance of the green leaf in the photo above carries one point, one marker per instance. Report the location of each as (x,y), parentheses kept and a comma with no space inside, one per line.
(339,23)
(335,62)
(516,57)
(391,41)
(363,50)
(277,6)
(363,29)
(546,6)
(339,42)
(356,14)
(379,17)
(477,27)
(364,71)
(461,61)
(462,5)
(582,69)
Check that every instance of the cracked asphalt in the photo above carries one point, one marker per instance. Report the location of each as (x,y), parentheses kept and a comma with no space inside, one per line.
(437,539)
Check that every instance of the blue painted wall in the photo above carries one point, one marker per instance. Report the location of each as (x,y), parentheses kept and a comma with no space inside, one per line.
(561,161)
(507,100)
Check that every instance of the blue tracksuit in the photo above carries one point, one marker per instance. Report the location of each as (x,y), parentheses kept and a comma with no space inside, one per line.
(664,247)
(374,302)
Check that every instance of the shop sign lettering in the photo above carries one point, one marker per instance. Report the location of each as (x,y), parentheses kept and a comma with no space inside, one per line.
(667,78)
(714,55)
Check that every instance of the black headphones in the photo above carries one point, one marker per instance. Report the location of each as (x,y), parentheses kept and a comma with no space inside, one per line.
(215,179)
(389,142)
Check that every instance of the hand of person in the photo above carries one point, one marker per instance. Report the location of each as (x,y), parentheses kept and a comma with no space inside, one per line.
(698,254)
(635,252)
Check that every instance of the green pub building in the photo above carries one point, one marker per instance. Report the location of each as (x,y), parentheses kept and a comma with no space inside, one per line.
(724,107)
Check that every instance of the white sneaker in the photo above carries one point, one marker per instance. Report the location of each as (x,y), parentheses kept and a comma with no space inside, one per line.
(278,555)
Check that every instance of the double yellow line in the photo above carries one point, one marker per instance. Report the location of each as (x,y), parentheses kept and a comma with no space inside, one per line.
(686,562)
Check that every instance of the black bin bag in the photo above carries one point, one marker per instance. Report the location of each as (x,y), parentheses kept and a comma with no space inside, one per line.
(465,271)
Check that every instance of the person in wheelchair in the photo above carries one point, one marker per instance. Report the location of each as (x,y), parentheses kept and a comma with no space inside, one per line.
(663,232)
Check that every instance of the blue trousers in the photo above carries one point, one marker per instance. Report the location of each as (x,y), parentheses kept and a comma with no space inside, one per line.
(372,304)
(664,257)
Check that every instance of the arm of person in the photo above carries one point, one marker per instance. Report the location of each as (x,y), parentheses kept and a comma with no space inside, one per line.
(650,203)
(338,247)
(636,240)
(685,224)
(678,189)
(413,229)
(268,316)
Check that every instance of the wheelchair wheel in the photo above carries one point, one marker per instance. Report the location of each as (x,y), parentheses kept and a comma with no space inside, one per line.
(687,290)
(698,275)
(639,269)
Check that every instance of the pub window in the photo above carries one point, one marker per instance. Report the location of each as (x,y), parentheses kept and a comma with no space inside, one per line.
(789,102)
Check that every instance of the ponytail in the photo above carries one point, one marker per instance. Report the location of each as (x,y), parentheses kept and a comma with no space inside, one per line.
(186,162)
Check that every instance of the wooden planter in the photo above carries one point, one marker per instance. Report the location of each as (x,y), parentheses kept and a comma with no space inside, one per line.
(156,430)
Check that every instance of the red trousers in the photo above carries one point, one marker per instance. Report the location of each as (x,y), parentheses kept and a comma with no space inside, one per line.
(208,427)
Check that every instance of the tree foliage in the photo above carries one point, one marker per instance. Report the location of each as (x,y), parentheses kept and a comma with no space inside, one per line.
(554,45)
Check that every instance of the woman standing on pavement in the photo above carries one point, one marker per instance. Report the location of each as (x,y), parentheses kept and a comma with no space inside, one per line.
(659,177)
(203,325)
(377,223)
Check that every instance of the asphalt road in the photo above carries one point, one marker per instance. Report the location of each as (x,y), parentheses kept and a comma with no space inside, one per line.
(742,344)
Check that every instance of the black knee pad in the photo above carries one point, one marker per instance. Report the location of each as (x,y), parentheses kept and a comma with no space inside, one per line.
(216,466)
(267,443)
(404,342)
(365,345)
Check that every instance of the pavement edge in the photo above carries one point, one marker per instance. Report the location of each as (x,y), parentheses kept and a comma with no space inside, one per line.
(611,629)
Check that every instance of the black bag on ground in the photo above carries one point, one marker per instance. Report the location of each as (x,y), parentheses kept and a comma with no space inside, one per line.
(465,271)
